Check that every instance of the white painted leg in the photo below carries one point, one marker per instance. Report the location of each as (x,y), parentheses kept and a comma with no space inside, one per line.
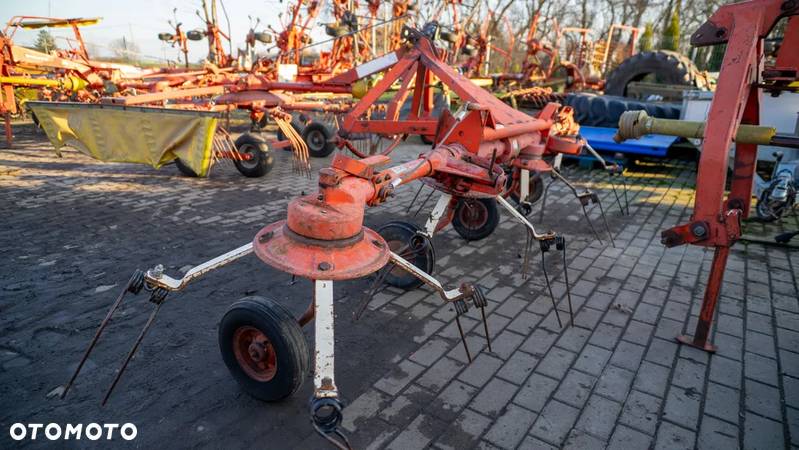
(324,371)
(436,214)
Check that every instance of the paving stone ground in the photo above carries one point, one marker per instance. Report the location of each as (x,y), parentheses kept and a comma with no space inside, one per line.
(73,230)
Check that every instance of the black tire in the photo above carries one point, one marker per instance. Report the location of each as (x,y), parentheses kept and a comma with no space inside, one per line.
(184,169)
(666,66)
(262,159)
(605,110)
(286,345)
(317,137)
(398,234)
(475,218)
(426,140)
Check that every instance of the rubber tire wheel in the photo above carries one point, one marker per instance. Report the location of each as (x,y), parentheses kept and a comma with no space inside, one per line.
(426,260)
(317,137)
(184,169)
(249,143)
(285,335)
(426,140)
(484,230)
(670,67)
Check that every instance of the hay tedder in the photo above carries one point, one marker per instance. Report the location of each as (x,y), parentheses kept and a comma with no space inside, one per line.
(324,240)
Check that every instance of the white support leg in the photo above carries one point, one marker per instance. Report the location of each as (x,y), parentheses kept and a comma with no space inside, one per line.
(324,372)
(436,214)
(524,187)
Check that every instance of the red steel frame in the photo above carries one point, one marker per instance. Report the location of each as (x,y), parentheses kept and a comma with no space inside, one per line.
(716,222)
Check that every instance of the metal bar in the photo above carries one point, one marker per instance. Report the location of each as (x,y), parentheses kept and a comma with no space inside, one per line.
(324,372)
(523,220)
(156,278)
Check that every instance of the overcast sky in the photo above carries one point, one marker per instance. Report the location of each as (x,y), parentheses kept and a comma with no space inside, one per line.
(142,20)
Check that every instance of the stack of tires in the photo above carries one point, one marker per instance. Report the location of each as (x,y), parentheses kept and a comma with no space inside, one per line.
(661,67)
(604,110)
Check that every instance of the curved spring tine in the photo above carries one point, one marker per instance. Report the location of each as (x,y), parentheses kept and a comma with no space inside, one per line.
(158,297)
(463,338)
(615,194)
(590,224)
(479,299)
(605,219)
(134,285)
(544,200)
(419,191)
(626,202)
(373,289)
(342,443)
(549,287)
(426,199)
(566,276)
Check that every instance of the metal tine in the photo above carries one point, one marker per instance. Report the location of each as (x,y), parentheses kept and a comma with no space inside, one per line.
(616,194)
(378,281)
(626,202)
(544,200)
(424,202)
(604,219)
(134,285)
(373,289)
(590,224)
(463,338)
(343,445)
(549,286)
(157,296)
(527,250)
(419,191)
(561,242)
(480,301)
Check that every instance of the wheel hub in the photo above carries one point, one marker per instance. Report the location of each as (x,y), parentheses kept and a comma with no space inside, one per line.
(473,214)
(254,353)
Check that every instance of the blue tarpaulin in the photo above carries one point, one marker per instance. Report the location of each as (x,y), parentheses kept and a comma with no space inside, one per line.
(601,138)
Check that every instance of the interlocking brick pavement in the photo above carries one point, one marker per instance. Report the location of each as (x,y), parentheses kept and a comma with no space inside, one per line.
(74,229)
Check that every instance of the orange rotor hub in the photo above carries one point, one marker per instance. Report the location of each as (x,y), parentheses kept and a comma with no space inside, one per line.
(322,241)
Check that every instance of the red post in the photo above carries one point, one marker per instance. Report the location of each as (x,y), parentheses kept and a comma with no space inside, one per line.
(709,303)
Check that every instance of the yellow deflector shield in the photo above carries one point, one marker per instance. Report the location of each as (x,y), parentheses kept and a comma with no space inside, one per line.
(153,136)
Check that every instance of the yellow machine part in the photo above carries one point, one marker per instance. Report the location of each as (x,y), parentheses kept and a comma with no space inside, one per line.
(33,24)
(153,136)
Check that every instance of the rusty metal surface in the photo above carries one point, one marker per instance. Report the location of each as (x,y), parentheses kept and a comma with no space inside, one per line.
(276,248)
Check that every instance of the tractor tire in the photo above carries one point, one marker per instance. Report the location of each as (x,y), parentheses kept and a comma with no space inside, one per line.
(475,218)
(263,347)
(605,110)
(317,137)
(666,66)
(398,234)
(262,159)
